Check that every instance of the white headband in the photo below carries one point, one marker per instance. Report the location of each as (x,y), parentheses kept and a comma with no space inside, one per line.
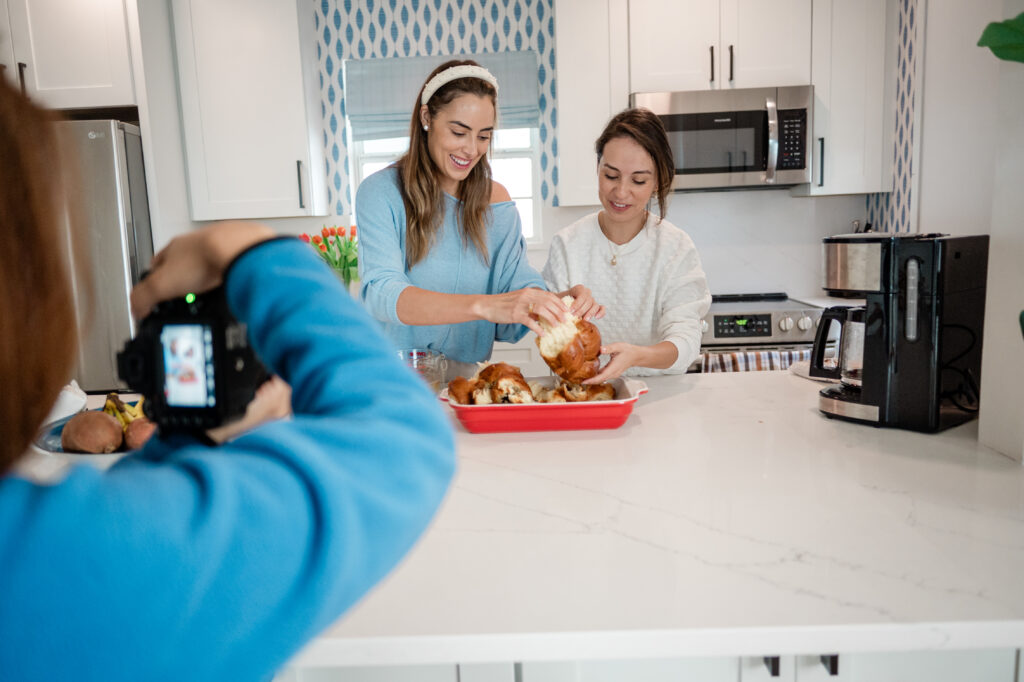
(454,73)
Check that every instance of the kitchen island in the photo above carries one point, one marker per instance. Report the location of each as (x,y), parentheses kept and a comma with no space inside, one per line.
(727,517)
(727,520)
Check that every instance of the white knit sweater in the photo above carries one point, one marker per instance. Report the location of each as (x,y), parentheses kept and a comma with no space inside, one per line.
(655,292)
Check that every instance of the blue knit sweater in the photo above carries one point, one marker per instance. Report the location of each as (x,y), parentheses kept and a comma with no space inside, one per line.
(451,267)
(188,562)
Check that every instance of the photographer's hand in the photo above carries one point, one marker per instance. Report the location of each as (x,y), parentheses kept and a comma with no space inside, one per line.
(272,401)
(195,262)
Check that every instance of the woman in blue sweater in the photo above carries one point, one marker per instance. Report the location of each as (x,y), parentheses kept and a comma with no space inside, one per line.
(442,256)
(185,561)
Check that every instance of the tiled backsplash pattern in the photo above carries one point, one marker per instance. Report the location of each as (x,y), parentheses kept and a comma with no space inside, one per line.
(373,29)
(890,211)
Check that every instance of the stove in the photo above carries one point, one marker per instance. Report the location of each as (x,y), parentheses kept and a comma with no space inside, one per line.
(759,322)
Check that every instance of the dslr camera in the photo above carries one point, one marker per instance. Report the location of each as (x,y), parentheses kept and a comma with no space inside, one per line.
(192,361)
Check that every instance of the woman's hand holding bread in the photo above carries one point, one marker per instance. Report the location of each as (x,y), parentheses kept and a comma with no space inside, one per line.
(583,305)
(524,306)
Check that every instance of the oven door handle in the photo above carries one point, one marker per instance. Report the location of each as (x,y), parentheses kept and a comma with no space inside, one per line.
(773,141)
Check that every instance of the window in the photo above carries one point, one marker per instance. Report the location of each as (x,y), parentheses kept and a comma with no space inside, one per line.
(515,163)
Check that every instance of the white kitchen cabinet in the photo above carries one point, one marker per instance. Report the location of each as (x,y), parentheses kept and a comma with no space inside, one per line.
(718,44)
(591,60)
(411,673)
(249,108)
(935,666)
(67,55)
(853,73)
(670,670)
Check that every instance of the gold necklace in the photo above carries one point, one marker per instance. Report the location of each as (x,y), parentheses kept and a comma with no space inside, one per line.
(612,246)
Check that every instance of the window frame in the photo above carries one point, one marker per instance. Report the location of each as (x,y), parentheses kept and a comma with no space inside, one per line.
(358,157)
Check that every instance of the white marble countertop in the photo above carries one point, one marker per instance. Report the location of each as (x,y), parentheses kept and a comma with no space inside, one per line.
(726,517)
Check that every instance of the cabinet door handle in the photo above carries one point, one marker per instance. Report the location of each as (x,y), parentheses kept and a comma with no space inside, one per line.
(712,48)
(731,77)
(21,75)
(821,162)
(772,663)
(831,663)
(298,175)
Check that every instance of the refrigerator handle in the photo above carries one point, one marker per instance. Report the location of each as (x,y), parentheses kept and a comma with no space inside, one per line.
(298,172)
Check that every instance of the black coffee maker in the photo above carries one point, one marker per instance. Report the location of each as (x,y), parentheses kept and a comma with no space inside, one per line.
(910,357)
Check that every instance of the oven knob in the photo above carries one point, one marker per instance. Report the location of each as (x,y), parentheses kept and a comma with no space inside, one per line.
(805,323)
(786,323)
(703,326)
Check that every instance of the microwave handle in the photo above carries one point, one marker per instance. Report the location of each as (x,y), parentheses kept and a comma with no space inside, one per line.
(773,141)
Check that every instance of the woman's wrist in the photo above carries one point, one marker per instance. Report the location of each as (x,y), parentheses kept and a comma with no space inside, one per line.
(478,306)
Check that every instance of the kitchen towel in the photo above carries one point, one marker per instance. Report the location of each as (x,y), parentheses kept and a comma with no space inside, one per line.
(752,361)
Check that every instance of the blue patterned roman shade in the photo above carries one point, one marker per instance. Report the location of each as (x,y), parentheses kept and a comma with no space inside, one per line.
(379,93)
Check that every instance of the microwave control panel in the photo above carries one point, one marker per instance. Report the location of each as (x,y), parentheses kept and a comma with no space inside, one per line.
(792,139)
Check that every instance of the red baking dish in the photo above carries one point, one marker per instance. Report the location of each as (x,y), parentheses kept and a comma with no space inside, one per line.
(602,414)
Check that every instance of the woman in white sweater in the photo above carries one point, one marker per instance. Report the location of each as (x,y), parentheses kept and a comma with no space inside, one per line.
(644,270)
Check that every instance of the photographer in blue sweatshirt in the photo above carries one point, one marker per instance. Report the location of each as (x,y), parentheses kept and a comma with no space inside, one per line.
(188,561)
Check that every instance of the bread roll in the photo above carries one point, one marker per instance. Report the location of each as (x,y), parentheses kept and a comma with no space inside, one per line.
(570,348)
(496,383)
(507,383)
(92,432)
(460,389)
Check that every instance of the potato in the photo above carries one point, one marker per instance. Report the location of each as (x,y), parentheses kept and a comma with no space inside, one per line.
(91,432)
(138,432)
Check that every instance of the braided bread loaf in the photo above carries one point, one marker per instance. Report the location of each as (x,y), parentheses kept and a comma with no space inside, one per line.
(571,348)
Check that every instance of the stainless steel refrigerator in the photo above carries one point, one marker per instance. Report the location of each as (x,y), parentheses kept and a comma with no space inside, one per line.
(118,241)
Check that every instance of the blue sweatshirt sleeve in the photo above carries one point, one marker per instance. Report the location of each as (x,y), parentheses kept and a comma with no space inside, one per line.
(214,563)
(512,268)
(380,215)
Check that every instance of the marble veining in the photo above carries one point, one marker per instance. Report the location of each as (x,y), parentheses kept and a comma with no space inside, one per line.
(726,513)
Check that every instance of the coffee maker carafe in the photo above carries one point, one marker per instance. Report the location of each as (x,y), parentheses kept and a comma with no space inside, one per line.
(910,357)
(845,399)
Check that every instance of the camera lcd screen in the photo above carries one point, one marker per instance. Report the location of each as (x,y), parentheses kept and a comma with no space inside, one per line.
(188,365)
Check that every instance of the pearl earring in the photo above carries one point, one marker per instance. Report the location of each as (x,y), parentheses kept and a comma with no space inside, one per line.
(426,127)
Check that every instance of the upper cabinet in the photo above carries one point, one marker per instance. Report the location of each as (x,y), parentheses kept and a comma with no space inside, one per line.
(247,80)
(67,55)
(593,84)
(854,76)
(677,45)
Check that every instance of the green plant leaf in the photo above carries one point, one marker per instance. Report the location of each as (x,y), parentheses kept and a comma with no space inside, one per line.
(1005,38)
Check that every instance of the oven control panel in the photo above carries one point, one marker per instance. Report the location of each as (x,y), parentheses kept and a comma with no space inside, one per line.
(742,326)
(735,321)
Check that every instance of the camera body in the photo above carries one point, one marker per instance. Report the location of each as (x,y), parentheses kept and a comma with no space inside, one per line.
(192,361)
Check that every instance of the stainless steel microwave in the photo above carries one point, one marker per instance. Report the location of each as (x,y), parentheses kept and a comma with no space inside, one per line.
(727,139)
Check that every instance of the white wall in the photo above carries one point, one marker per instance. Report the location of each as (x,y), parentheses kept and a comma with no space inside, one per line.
(1001,424)
(959,138)
(749,241)
(971,175)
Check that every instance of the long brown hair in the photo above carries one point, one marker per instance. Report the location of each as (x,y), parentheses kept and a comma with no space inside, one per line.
(645,128)
(418,175)
(37,333)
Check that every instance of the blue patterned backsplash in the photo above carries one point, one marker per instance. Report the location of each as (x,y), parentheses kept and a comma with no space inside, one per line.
(371,29)
(890,211)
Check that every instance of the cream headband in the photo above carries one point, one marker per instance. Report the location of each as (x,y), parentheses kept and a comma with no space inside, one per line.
(454,73)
